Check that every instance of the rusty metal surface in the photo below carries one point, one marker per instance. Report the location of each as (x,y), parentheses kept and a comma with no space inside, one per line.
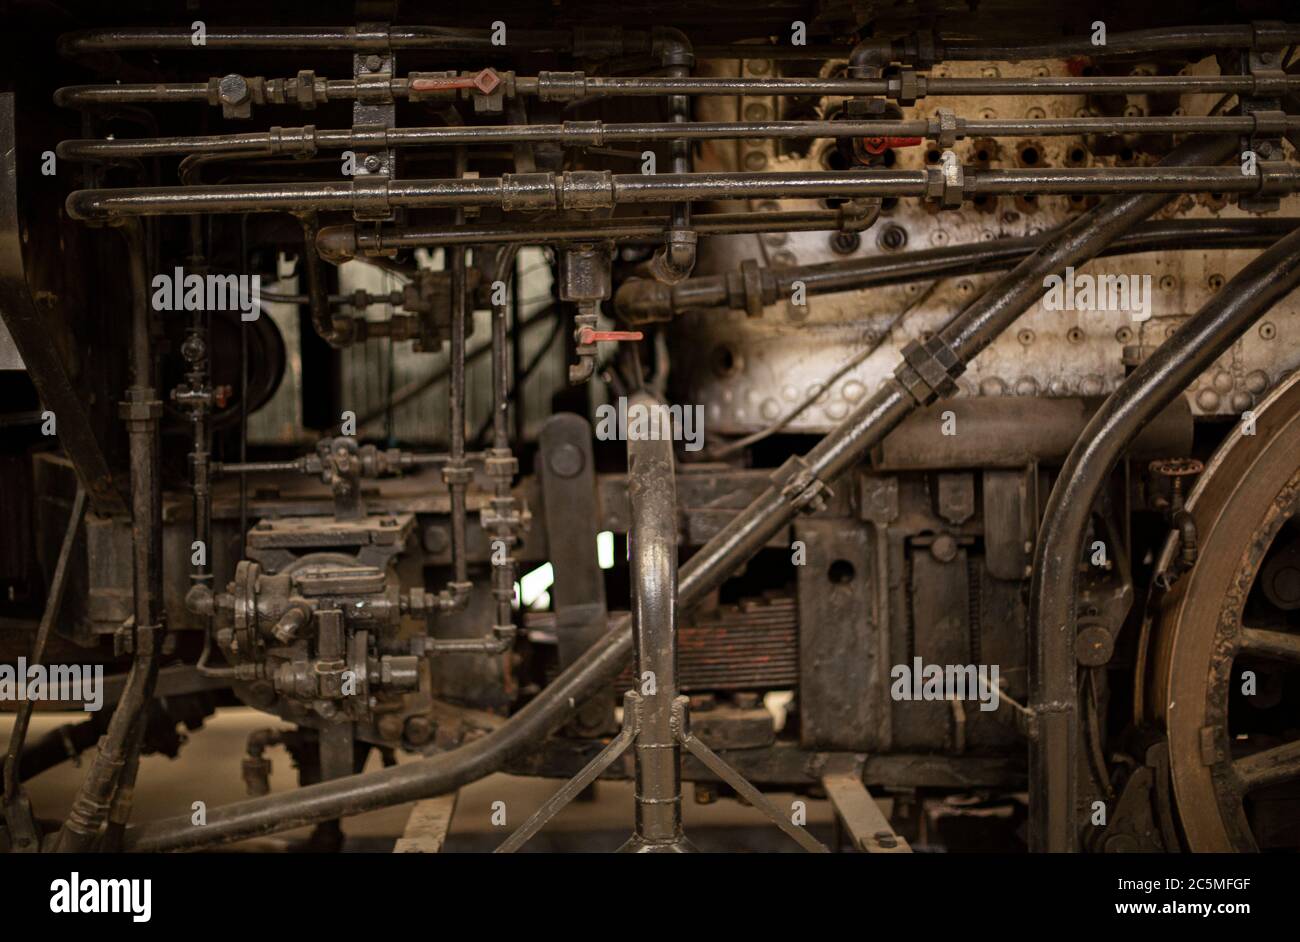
(1249,489)
(811,566)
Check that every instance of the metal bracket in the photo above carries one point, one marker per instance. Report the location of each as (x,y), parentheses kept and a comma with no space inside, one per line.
(713,762)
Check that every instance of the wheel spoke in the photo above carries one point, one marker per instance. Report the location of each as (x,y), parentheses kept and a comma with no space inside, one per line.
(1269,766)
(1265,642)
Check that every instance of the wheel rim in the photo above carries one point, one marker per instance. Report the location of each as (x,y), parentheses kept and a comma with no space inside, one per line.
(1247,494)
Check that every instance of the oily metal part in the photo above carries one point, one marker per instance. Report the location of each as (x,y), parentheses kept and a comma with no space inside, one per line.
(1246,492)
(1053,609)
(995,144)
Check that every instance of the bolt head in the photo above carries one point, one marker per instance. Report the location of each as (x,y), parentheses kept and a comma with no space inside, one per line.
(567,460)
(233,90)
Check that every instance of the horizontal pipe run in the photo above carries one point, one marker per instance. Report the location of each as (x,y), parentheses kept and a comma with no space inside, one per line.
(338,243)
(440,39)
(282,38)
(1162,39)
(307,140)
(591,190)
(642,300)
(1046,85)
(576,85)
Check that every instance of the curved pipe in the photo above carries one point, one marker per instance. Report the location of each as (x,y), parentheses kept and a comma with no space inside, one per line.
(652,554)
(1052,615)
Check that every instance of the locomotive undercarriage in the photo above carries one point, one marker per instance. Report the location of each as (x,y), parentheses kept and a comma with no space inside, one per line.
(825,266)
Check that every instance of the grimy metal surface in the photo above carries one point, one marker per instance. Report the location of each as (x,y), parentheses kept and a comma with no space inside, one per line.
(652,551)
(1053,615)
(849,249)
(743,536)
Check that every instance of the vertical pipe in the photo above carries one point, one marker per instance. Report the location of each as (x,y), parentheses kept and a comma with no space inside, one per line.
(116,760)
(455,473)
(653,556)
(676,259)
(501,462)
(456,414)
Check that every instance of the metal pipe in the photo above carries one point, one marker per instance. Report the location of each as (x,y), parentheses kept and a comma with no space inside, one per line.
(456,416)
(1162,39)
(502,464)
(675,259)
(443,39)
(410,781)
(1045,85)
(641,300)
(307,140)
(115,760)
(578,86)
(796,485)
(339,243)
(652,556)
(278,39)
(1053,618)
(596,189)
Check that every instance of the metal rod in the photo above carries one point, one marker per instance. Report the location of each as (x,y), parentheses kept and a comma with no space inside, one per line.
(307,140)
(442,39)
(548,191)
(640,299)
(1162,39)
(577,86)
(343,242)
(574,786)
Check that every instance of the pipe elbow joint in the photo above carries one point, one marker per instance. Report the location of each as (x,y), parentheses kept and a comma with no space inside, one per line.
(671,46)
(644,301)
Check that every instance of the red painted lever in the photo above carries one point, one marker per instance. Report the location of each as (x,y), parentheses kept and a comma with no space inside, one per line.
(878,145)
(587,335)
(485,82)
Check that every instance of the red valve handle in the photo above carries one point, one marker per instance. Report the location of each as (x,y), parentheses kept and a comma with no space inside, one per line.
(588,335)
(485,81)
(878,145)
